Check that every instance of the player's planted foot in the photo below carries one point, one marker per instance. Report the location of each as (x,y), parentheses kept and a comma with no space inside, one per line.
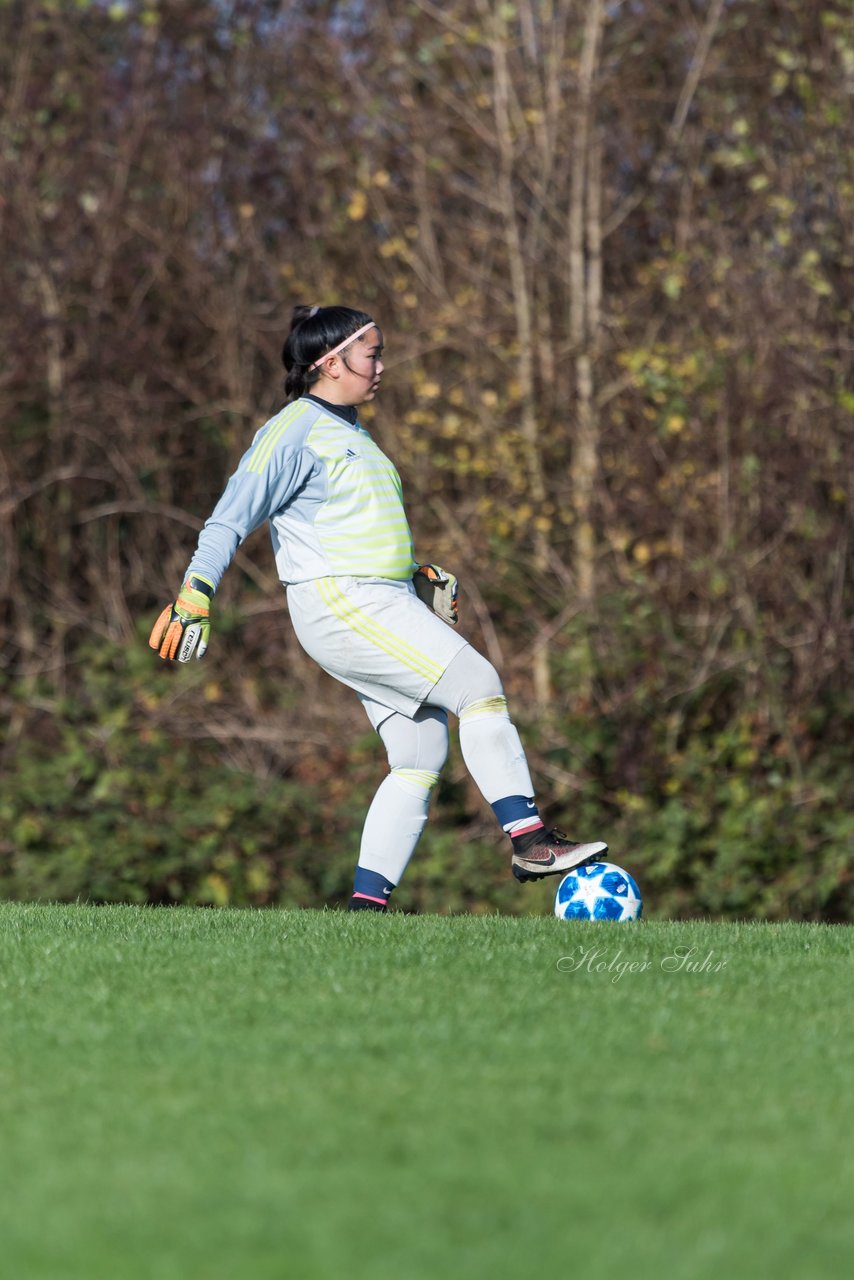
(550,853)
(371,890)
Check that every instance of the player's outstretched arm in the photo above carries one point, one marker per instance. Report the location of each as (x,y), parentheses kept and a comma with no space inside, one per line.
(439,590)
(251,496)
(183,629)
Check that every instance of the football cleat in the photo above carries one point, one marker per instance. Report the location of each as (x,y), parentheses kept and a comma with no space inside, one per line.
(551,853)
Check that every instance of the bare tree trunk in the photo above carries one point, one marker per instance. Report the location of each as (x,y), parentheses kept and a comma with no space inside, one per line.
(523,313)
(585,294)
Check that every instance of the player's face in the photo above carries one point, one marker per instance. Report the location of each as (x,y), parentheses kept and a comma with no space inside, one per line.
(362,368)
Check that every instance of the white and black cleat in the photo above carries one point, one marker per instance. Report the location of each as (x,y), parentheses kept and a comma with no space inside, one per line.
(550,853)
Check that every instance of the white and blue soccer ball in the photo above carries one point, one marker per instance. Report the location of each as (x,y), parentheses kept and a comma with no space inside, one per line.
(598,891)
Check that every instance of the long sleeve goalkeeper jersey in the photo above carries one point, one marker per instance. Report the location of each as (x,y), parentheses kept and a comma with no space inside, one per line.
(333,499)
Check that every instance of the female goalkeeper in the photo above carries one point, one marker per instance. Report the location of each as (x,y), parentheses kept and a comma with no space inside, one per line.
(363,608)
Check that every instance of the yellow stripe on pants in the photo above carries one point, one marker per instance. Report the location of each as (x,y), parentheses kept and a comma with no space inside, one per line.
(376,633)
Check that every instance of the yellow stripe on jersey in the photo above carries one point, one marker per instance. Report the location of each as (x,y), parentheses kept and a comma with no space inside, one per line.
(376,633)
(362,526)
(263,451)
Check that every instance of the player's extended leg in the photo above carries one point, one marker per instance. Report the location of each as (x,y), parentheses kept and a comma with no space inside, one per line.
(495,758)
(417,749)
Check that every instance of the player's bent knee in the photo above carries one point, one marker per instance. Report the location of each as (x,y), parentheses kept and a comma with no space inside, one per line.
(419,743)
(470,678)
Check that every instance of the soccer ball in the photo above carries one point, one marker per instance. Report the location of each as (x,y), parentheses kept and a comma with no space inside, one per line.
(598,891)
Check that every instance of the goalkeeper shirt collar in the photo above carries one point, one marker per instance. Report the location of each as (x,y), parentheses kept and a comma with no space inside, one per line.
(348,412)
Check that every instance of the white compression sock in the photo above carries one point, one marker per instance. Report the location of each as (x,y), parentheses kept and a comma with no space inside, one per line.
(417,749)
(395,822)
(493,751)
(491,747)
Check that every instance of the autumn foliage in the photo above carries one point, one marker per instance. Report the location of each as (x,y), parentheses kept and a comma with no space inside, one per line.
(610,248)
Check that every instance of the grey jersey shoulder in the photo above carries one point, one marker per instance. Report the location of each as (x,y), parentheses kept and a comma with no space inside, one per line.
(287,429)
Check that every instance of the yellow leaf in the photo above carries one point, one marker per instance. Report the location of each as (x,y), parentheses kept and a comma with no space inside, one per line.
(358,206)
(215,889)
(257,878)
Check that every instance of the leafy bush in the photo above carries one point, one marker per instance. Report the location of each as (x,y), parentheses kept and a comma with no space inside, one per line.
(108,799)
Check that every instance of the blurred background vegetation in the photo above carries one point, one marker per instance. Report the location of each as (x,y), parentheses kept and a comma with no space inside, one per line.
(610,246)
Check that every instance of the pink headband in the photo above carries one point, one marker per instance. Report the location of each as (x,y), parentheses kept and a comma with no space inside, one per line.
(345,343)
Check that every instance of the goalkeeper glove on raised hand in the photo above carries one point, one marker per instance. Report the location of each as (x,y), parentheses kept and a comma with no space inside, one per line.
(438,589)
(184,628)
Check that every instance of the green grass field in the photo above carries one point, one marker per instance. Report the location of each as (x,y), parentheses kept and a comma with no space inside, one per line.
(193,1095)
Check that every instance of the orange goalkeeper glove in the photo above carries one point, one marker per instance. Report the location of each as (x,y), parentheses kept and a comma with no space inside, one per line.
(184,628)
(439,590)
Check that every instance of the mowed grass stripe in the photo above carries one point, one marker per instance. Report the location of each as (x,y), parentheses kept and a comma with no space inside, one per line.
(189,1093)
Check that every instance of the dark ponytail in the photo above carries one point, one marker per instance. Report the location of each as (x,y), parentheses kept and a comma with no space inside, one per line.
(314,331)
